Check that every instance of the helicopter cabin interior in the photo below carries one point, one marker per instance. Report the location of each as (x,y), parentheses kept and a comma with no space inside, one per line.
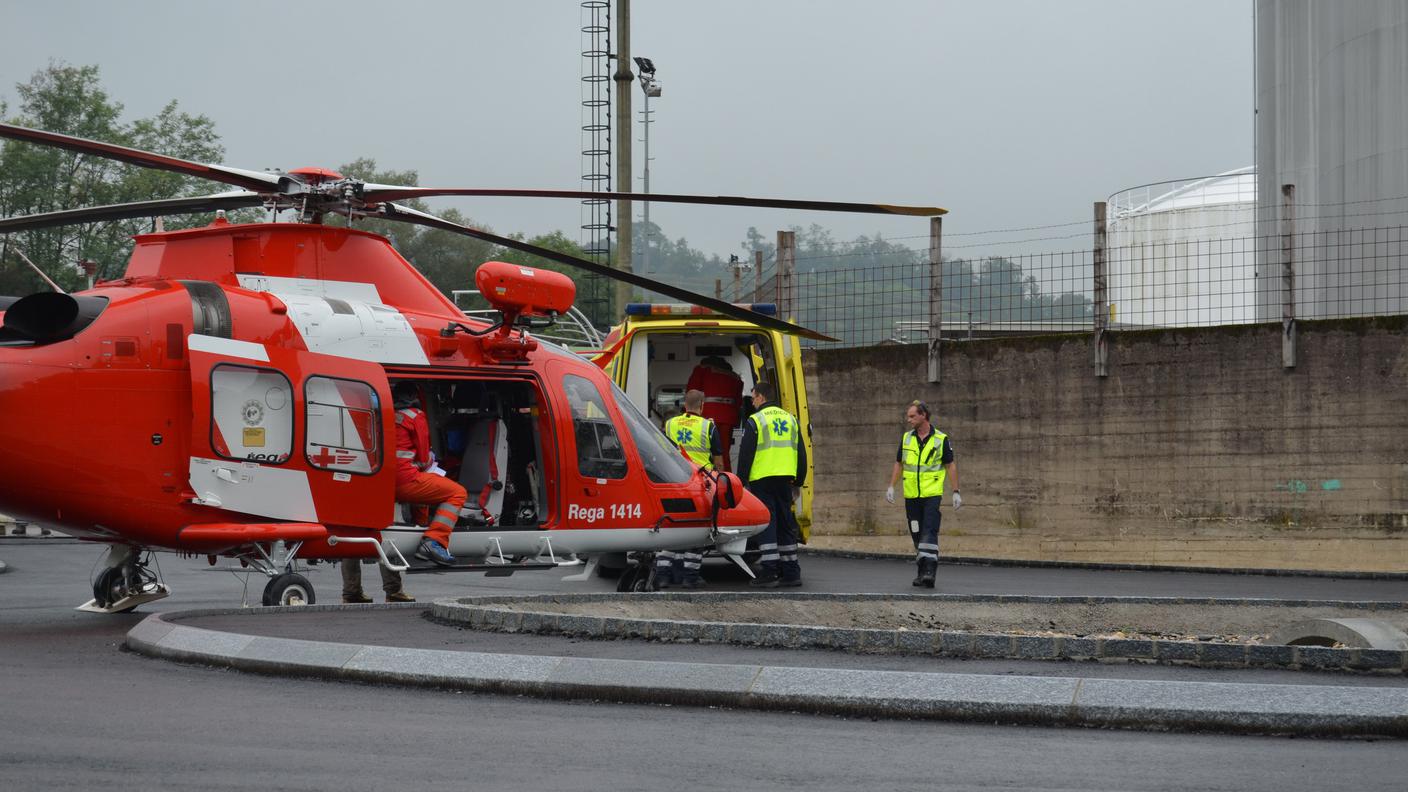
(658,371)
(487,435)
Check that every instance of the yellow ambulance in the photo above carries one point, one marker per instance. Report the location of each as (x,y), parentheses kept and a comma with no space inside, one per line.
(653,352)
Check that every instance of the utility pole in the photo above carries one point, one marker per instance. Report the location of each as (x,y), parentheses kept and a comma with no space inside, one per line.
(624,178)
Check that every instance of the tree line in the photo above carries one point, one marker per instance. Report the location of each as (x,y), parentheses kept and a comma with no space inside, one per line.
(71,100)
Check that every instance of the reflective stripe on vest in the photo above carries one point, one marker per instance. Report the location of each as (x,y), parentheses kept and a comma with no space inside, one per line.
(691,433)
(924,477)
(778,436)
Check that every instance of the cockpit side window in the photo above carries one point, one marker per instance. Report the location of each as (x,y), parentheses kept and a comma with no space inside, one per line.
(599,450)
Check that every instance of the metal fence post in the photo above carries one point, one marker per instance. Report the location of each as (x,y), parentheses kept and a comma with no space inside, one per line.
(786,264)
(1101,350)
(1288,276)
(757,276)
(936,294)
(737,283)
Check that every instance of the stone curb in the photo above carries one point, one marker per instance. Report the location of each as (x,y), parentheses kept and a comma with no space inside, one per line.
(1022,700)
(1097,565)
(481,613)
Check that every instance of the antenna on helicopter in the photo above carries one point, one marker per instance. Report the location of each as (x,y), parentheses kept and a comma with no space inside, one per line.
(39,272)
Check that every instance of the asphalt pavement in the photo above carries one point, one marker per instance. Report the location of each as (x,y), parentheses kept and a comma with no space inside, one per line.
(80,713)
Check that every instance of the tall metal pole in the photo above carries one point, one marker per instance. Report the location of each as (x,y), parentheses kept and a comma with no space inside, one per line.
(624,177)
(786,266)
(646,253)
(1100,351)
(936,295)
(1288,276)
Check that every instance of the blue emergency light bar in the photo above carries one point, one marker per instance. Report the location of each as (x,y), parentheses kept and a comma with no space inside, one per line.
(686,309)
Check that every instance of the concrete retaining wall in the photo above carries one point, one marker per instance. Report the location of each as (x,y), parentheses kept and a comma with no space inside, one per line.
(1199,449)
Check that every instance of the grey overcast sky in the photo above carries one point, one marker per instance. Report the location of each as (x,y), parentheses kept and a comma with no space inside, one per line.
(1009,113)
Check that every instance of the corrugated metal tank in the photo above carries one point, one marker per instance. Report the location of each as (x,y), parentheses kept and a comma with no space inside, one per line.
(1332,119)
(1180,253)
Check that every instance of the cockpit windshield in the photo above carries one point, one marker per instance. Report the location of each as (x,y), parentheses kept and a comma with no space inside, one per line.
(664,463)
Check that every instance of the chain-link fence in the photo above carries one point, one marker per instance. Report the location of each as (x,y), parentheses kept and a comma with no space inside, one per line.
(1157,272)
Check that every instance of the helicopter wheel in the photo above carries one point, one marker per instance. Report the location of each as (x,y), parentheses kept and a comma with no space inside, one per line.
(290,588)
(112,585)
(627,581)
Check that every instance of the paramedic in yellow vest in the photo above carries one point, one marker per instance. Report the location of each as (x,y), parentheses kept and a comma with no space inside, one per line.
(925,459)
(773,460)
(696,435)
(698,438)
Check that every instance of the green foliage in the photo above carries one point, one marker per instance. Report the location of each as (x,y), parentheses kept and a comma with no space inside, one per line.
(71,100)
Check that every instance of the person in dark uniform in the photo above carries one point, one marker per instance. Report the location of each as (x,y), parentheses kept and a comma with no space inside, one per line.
(772,458)
(925,460)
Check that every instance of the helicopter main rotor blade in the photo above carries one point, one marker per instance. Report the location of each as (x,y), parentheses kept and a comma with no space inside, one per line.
(390,211)
(374,193)
(249,180)
(167,206)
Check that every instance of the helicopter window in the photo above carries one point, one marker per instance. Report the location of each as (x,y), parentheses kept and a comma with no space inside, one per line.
(252,414)
(599,451)
(344,430)
(664,464)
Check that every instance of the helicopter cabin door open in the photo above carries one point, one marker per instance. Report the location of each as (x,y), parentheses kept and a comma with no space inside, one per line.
(290,435)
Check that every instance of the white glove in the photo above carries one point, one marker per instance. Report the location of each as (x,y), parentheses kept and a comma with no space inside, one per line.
(890,494)
(957,501)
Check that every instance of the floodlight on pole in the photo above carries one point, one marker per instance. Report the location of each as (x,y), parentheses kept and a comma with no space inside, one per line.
(651,88)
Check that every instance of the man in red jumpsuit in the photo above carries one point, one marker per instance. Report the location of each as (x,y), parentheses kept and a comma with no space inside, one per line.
(415,485)
(723,397)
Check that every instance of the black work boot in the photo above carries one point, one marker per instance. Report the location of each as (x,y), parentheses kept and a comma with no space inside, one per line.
(919,576)
(767,577)
(929,569)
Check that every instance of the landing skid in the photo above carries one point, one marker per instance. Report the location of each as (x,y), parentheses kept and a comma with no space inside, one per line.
(490,570)
(128,602)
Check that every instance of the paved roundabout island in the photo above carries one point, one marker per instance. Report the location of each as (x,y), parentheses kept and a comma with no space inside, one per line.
(1126,662)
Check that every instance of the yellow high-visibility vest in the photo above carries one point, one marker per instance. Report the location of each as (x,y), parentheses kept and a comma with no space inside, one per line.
(778,436)
(691,433)
(924,477)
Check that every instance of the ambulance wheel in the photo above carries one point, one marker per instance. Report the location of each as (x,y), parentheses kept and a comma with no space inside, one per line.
(289,588)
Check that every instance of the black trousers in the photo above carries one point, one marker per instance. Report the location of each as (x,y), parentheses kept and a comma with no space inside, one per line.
(924,518)
(778,543)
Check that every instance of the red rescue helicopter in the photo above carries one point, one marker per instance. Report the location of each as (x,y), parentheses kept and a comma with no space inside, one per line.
(245,374)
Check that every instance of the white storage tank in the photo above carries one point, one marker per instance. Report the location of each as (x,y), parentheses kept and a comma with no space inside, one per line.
(1182,253)
(1332,119)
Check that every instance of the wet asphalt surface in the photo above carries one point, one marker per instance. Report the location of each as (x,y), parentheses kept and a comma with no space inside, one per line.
(79,712)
